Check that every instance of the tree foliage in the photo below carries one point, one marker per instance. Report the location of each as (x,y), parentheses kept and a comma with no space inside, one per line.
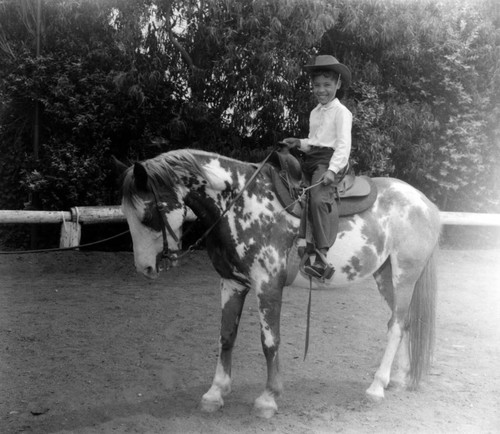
(435,67)
(97,97)
(133,78)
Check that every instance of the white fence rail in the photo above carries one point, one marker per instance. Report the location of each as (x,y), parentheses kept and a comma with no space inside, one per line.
(469,219)
(72,221)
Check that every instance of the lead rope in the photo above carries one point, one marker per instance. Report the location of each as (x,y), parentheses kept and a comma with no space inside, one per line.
(302,195)
(308,323)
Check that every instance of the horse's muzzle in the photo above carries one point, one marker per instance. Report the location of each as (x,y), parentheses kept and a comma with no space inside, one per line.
(150,272)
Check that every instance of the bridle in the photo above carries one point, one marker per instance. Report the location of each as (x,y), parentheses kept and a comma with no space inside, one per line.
(165,226)
(160,206)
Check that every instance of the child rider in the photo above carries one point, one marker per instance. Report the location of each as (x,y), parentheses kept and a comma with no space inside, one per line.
(327,150)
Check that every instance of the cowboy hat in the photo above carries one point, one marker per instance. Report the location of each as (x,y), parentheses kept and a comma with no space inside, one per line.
(330,63)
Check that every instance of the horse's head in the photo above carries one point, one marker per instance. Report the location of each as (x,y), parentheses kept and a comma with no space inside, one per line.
(153,205)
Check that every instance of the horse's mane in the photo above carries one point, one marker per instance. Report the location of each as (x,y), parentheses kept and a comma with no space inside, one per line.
(164,171)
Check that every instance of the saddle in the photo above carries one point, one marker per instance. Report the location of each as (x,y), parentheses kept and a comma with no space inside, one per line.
(354,193)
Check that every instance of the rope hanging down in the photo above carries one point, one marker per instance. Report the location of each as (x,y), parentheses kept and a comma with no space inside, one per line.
(61,249)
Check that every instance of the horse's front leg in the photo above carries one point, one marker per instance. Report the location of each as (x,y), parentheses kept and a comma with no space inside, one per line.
(232,299)
(269,302)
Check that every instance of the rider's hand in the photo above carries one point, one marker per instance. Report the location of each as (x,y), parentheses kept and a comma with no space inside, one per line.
(328,177)
(292,142)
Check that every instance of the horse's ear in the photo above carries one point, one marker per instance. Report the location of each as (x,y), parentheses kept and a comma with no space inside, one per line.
(120,167)
(141,177)
(118,170)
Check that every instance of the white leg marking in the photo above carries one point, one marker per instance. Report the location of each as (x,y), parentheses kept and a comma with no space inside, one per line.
(268,337)
(376,391)
(221,386)
(400,376)
(265,405)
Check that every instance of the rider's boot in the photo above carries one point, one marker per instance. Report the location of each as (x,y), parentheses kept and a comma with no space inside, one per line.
(320,269)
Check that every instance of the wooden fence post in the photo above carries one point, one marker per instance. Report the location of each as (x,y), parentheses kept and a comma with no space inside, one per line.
(71,231)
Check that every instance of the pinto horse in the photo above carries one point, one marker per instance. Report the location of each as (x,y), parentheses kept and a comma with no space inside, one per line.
(250,241)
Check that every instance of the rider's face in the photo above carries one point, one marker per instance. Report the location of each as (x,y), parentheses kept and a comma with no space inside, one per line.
(325,88)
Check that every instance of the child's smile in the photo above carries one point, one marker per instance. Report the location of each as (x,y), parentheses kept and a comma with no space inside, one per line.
(324,88)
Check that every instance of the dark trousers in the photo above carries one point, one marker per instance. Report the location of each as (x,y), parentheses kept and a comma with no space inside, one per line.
(322,208)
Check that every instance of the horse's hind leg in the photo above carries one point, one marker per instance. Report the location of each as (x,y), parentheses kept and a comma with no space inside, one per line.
(232,299)
(399,376)
(396,336)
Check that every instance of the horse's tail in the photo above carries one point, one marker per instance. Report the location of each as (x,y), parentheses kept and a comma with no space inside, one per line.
(421,321)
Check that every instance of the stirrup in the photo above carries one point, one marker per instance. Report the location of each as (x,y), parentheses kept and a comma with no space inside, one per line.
(329,270)
(322,271)
(325,274)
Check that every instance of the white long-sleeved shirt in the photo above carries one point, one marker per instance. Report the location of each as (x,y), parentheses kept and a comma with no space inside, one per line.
(330,126)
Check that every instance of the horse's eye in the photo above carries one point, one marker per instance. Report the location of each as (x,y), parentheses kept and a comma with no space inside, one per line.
(146,219)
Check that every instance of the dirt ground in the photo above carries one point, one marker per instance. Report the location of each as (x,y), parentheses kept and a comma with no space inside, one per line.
(88,346)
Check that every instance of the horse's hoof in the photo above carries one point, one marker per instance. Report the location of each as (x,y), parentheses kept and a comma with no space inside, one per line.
(265,413)
(375,396)
(211,405)
(265,406)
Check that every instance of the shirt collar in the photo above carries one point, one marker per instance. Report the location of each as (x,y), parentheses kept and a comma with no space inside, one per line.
(328,106)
